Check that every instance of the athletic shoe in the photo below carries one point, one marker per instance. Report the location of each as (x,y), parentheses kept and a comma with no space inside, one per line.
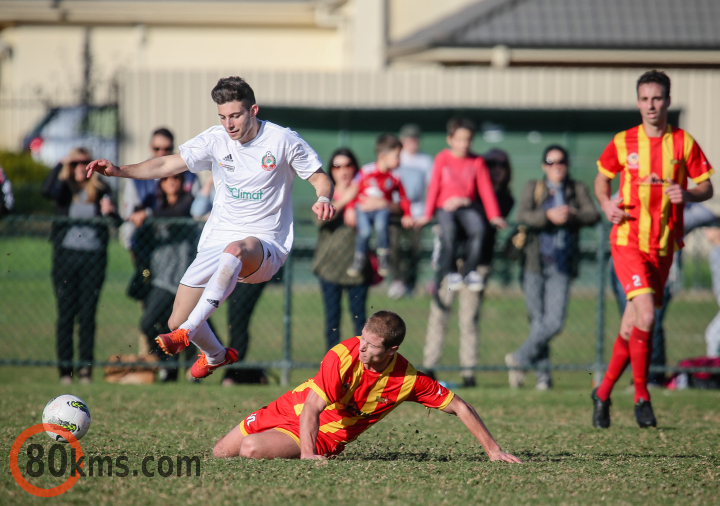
(543,385)
(357,266)
(644,414)
(601,411)
(516,377)
(474,281)
(201,369)
(397,290)
(468,382)
(174,342)
(383,265)
(85,375)
(455,281)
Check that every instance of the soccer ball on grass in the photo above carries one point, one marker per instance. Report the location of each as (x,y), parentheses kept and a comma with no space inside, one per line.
(69,412)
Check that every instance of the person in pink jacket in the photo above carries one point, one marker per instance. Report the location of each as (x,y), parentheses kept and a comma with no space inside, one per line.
(459,190)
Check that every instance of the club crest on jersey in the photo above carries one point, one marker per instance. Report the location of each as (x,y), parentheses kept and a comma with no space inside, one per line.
(268,161)
(633,161)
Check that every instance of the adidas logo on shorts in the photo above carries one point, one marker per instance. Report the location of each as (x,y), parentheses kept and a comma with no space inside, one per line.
(228,158)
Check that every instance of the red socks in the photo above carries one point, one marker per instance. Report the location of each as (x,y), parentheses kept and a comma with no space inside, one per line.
(618,363)
(640,349)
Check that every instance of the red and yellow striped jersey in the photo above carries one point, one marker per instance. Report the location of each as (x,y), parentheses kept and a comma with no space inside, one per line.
(357,398)
(645,165)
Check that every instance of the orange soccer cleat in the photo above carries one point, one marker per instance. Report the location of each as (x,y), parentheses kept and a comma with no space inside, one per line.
(174,342)
(201,368)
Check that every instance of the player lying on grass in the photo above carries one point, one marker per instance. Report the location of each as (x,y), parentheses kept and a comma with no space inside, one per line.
(360,381)
(250,230)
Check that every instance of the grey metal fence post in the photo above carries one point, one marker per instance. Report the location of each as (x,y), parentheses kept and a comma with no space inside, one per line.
(287,322)
(600,324)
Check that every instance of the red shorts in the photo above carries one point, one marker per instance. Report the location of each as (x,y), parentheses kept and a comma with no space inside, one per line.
(271,417)
(640,272)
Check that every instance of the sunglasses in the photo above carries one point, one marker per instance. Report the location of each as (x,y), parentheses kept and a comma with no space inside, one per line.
(78,162)
(550,162)
(156,148)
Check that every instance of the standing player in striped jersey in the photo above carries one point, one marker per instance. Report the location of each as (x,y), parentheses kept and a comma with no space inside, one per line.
(361,380)
(655,161)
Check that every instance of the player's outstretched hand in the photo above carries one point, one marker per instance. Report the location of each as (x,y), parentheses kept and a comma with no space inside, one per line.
(102,166)
(324,210)
(675,192)
(312,456)
(501,456)
(615,214)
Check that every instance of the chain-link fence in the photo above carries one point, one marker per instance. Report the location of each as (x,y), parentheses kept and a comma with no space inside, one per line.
(87,306)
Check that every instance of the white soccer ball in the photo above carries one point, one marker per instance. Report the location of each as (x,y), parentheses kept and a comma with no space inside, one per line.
(69,412)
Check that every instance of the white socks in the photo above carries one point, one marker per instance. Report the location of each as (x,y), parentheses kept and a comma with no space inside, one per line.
(209,344)
(220,286)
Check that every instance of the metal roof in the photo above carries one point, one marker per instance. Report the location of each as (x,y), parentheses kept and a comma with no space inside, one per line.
(576,24)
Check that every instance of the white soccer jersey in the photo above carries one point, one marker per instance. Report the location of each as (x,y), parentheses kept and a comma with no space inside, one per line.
(253,182)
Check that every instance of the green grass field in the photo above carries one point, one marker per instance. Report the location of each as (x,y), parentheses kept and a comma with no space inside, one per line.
(414,456)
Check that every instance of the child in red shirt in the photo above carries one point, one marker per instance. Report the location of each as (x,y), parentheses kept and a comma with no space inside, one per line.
(372,195)
(457,179)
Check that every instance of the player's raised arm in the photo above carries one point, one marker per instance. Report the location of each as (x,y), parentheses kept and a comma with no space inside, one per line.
(310,425)
(467,415)
(323,208)
(154,168)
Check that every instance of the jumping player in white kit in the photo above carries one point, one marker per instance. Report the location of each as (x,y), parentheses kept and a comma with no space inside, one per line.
(250,230)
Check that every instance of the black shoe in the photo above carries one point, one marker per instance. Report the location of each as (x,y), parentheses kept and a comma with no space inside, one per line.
(430,374)
(644,414)
(601,411)
(469,382)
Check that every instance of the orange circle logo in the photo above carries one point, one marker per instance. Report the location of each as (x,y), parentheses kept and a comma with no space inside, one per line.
(15,452)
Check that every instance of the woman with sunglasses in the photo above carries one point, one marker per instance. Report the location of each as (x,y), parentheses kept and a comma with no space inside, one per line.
(335,251)
(164,248)
(554,209)
(79,255)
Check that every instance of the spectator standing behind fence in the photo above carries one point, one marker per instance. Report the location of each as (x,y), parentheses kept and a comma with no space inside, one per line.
(712,333)
(7,200)
(138,197)
(498,164)
(334,254)
(169,249)
(373,192)
(458,178)
(241,302)
(554,209)
(79,256)
(405,247)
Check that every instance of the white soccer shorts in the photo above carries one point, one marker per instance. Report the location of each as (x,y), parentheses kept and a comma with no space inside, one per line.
(206,263)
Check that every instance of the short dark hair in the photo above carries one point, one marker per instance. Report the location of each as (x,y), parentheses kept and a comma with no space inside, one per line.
(654,76)
(559,148)
(164,132)
(456,124)
(342,152)
(387,325)
(386,143)
(233,89)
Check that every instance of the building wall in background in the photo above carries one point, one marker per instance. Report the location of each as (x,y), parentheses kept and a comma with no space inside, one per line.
(181,100)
